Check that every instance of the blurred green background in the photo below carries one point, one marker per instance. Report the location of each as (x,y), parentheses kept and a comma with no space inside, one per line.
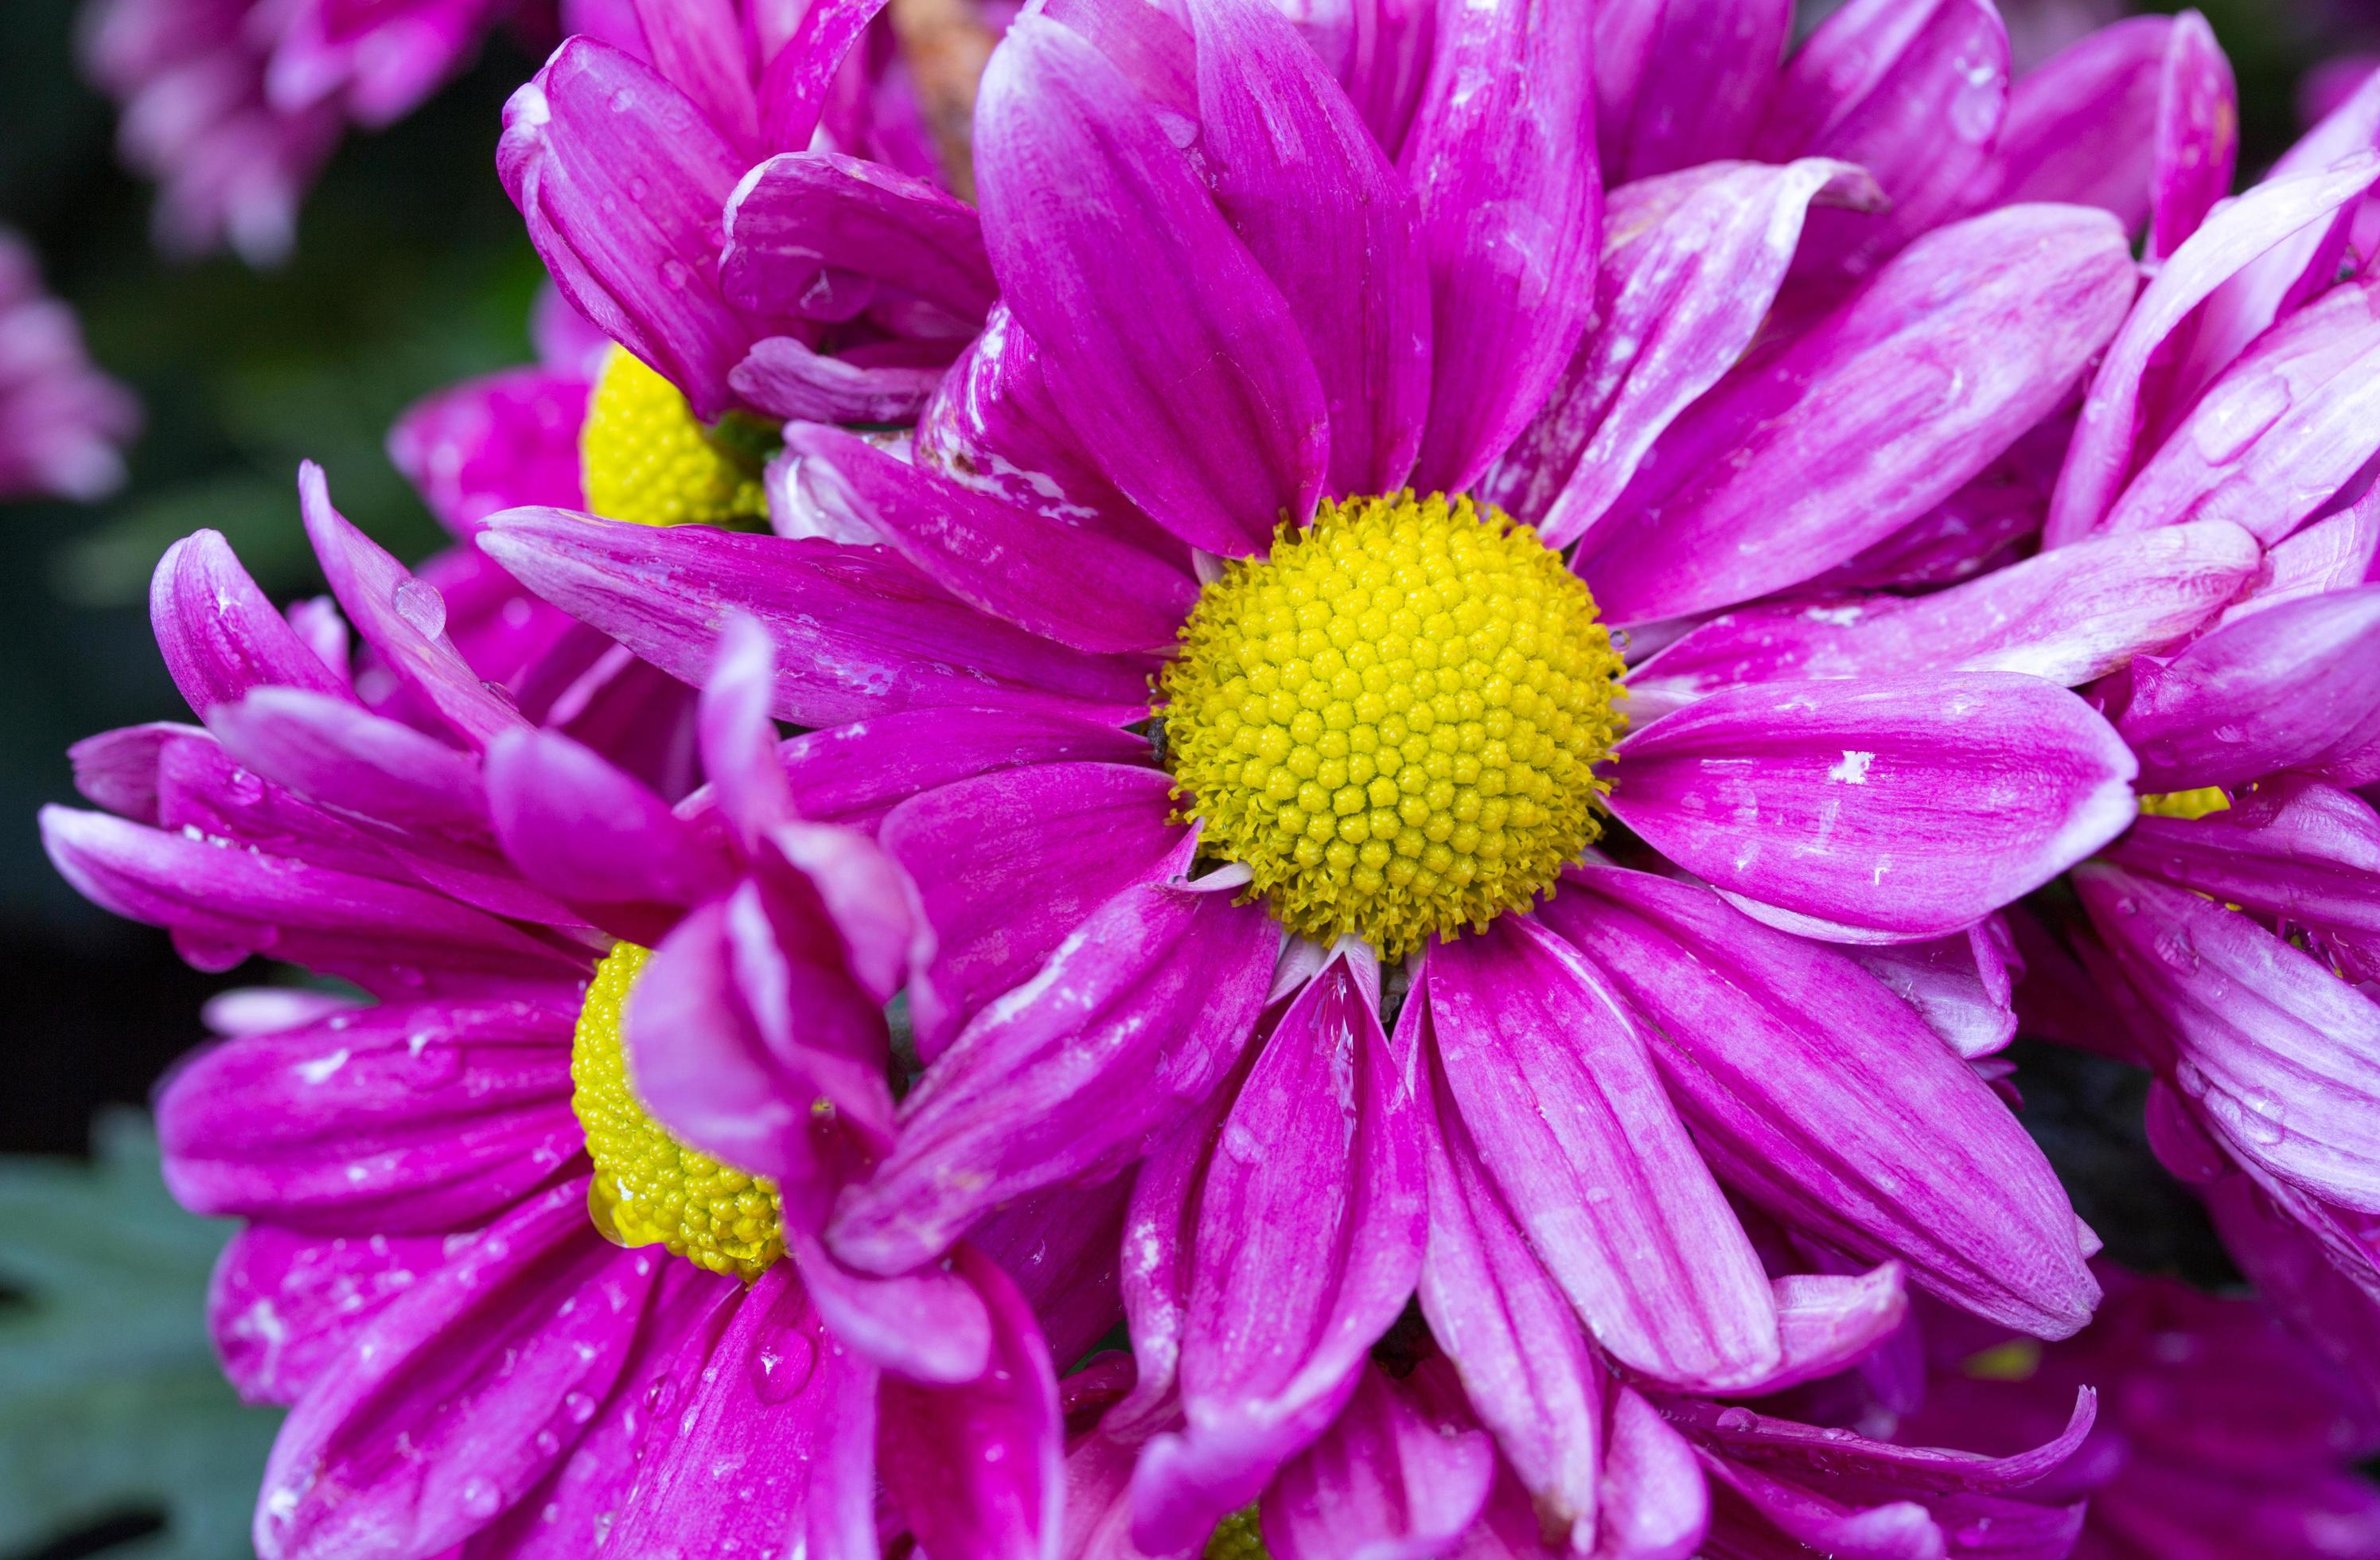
(410,272)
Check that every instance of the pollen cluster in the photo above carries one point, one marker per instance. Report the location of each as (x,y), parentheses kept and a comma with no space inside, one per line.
(1237,1538)
(644,456)
(2186,804)
(1393,719)
(650,1189)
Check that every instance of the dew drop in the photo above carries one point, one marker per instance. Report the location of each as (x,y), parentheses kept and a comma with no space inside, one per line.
(781,1366)
(420,605)
(481,1497)
(1735,1420)
(579,1405)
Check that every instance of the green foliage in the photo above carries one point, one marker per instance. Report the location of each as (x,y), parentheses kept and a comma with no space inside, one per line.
(111,1403)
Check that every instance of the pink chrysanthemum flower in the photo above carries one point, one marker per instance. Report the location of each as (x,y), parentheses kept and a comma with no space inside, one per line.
(62,424)
(2223,1434)
(235,106)
(1254,307)
(511,1309)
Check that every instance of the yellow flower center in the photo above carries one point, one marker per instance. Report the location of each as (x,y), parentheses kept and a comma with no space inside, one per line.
(1393,719)
(2186,804)
(644,456)
(649,1188)
(1236,1537)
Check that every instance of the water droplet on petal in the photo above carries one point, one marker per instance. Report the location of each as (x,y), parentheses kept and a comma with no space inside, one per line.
(481,1497)
(781,1366)
(420,605)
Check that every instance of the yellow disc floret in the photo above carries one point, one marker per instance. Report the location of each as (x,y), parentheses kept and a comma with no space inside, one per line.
(1393,720)
(2186,804)
(1237,1538)
(645,457)
(650,1189)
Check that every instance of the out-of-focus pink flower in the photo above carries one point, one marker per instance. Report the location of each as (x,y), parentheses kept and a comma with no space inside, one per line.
(62,421)
(233,107)
(2220,1435)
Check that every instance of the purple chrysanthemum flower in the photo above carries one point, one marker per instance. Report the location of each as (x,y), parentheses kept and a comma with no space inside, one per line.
(454,1266)
(1253,305)
(62,424)
(2236,926)
(235,106)
(2223,1435)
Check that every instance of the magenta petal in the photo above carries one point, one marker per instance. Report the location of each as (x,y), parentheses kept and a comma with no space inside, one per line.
(2286,425)
(1881,410)
(1063,583)
(1683,82)
(1128,1027)
(1912,91)
(1749,1436)
(978,1470)
(781,1408)
(1891,1149)
(2197,134)
(492,443)
(738,739)
(1551,1078)
(401,617)
(1901,807)
(2296,686)
(785,379)
(2233,239)
(1828,1322)
(1502,157)
(2282,1056)
(406,1119)
(1308,190)
(284,1308)
(596,839)
(1061,1247)
(567,1515)
(1960,984)
(854,775)
(2293,848)
(1655,1504)
(1386,1483)
(117,770)
(462,1395)
(714,1047)
(2067,616)
(799,216)
(386,936)
(795,84)
(1008,866)
(621,178)
(927,1326)
(1690,267)
(857,633)
(1175,358)
(1309,1240)
(1524,1359)
(698,45)
(219,634)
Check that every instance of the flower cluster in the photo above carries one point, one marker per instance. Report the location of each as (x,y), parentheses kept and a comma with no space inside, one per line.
(1454,671)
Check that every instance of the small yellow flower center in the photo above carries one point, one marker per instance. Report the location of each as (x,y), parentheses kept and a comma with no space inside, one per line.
(1393,719)
(644,456)
(650,1189)
(1236,1537)
(2186,804)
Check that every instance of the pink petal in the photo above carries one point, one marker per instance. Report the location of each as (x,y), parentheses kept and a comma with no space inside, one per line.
(1385,1484)
(1128,1025)
(1502,157)
(1551,1078)
(1891,1149)
(1176,360)
(1323,211)
(284,1308)
(854,775)
(1879,413)
(1683,82)
(462,1395)
(492,443)
(219,634)
(856,633)
(1895,808)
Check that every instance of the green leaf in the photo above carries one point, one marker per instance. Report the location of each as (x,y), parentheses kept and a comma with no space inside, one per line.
(111,1403)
